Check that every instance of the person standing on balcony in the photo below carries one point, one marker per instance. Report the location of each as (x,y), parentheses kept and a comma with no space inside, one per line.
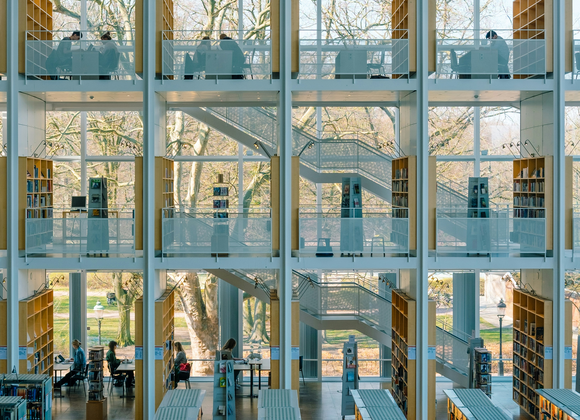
(61,58)
(108,57)
(238,59)
(197,63)
(503,53)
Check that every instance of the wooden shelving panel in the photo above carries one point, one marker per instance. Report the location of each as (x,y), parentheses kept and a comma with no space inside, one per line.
(404,26)
(532,336)
(33,15)
(3,203)
(533,198)
(164,21)
(164,196)
(36,334)
(164,337)
(35,201)
(3,334)
(403,358)
(532,19)
(404,199)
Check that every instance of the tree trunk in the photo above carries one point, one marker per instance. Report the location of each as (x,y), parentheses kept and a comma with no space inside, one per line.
(124,304)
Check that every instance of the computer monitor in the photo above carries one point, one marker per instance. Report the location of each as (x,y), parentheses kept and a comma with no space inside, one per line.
(79,202)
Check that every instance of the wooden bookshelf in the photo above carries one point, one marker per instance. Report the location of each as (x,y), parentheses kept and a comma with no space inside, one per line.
(164,337)
(36,334)
(3,203)
(139,359)
(533,198)
(33,15)
(532,19)
(3,333)
(403,361)
(404,24)
(164,21)
(404,200)
(532,336)
(35,201)
(164,196)
(164,333)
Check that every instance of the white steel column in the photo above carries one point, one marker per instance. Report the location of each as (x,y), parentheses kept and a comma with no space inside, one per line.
(12,184)
(149,278)
(422,211)
(559,195)
(285,152)
(476,141)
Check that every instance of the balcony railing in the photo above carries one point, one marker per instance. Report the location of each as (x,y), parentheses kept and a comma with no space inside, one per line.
(336,58)
(576,53)
(469,55)
(219,232)
(375,232)
(73,233)
(186,55)
(89,58)
(503,231)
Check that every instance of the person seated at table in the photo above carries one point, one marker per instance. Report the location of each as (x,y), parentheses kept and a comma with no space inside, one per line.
(114,364)
(108,57)
(503,53)
(228,348)
(79,364)
(62,56)
(197,63)
(238,59)
(180,358)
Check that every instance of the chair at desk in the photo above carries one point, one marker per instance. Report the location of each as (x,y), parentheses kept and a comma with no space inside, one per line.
(81,377)
(456,67)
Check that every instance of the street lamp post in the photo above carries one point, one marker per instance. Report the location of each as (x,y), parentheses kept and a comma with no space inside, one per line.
(99,315)
(501,306)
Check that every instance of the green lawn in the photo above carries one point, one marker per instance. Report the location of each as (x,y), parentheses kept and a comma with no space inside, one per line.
(492,335)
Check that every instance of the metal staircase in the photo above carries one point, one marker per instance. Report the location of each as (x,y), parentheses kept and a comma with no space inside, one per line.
(354,305)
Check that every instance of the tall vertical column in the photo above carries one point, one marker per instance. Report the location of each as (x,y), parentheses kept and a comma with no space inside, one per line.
(149,105)
(309,350)
(386,282)
(78,313)
(12,184)
(559,65)
(464,315)
(229,315)
(422,297)
(285,153)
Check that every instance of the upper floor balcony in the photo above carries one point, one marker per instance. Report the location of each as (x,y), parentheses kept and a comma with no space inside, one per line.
(54,55)
(346,58)
(212,55)
(500,230)
(329,232)
(219,232)
(491,54)
(71,232)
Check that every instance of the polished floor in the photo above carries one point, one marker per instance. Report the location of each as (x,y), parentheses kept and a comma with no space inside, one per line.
(318,401)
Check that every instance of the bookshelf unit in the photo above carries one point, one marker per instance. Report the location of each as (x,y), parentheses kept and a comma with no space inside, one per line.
(221,229)
(224,391)
(97,402)
(532,337)
(3,334)
(404,201)
(349,377)
(532,19)
(33,15)
(35,333)
(532,198)
(12,408)
(164,336)
(403,363)
(559,404)
(36,390)
(471,404)
(35,177)
(139,358)
(478,208)
(482,370)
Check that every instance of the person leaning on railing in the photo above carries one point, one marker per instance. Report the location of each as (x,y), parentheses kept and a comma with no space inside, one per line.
(503,53)
(62,56)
